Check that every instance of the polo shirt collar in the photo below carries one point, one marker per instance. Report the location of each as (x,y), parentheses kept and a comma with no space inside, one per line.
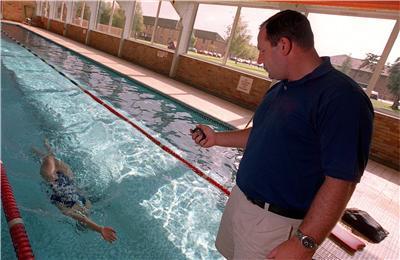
(322,69)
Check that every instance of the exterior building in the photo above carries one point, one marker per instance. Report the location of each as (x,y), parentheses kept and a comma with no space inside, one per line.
(168,30)
(209,41)
(363,75)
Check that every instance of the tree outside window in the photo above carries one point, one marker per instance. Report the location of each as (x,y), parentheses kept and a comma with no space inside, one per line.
(61,11)
(138,25)
(81,13)
(104,15)
(45,9)
(394,83)
(118,20)
(243,52)
(144,20)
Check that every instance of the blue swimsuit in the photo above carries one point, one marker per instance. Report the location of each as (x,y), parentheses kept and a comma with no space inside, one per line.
(65,192)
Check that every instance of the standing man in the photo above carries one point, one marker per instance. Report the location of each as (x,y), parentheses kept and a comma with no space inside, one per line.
(304,155)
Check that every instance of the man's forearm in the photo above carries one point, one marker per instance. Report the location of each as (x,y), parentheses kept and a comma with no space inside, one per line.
(236,138)
(327,208)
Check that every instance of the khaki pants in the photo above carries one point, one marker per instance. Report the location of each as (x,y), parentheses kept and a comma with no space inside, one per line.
(250,232)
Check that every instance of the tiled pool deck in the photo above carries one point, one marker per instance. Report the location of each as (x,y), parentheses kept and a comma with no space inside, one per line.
(378,193)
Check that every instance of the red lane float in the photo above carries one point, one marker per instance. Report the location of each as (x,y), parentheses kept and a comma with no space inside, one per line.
(16,226)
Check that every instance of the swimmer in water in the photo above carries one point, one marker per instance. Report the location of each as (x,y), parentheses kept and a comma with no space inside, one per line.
(65,194)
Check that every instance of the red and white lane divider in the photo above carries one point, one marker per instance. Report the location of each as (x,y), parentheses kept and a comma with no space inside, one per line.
(16,226)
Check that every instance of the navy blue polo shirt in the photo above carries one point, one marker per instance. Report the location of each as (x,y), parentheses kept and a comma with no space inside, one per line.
(304,130)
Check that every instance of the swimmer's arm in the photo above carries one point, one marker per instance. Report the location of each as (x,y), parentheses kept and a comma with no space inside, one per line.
(82,218)
(62,166)
(47,169)
(107,233)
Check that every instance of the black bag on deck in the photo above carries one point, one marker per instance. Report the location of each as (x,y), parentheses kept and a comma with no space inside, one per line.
(365,224)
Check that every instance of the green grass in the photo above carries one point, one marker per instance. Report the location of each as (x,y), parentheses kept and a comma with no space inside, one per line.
(385,107)
(249,68)
(230,63)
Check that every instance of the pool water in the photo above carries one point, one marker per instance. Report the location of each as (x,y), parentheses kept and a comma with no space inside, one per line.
(159,208)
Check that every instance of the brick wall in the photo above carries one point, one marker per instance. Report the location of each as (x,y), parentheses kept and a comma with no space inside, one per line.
(18,10)
(220,81)
(57,27)
(104,42)
(386,140)
(43,23)
(76,33)
(154,58)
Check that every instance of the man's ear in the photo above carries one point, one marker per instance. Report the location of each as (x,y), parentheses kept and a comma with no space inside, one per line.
(285,46)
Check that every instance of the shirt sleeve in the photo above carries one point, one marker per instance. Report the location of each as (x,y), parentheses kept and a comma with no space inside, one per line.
(345,129)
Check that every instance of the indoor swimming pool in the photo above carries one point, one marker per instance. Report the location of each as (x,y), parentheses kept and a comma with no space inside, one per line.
(160,208)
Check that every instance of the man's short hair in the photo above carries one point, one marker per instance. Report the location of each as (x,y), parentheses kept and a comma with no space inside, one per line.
(292,25)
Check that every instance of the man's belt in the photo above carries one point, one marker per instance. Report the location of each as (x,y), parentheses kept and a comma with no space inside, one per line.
(289,213)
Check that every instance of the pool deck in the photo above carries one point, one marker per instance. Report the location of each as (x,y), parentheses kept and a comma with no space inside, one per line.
(378,192)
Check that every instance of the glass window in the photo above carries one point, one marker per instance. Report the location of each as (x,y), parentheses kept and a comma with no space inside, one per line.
(210,33)
(355,49)
(243,52)
(143,22)
(61,11)
(45,9)
(81,14)
(111,18)
(167,31)
(118,20)
(104,15)
(387,88)
(137,23)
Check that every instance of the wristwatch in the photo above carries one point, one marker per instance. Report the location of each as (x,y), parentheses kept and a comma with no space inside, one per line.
(306,241)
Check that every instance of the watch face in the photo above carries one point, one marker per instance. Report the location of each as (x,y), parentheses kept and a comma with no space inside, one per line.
(308,242)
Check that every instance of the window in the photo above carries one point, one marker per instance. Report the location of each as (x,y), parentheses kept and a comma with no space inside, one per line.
(111,18)
(45,9)
(144,20)
(118,20)
(81,14)
(61,11)
(104,15)
(243,52)
(210,33)
(388,88)
(168,27)
(355,49)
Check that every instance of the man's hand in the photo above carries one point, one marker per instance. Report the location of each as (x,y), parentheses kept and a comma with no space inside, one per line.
(207,141)
(291,249)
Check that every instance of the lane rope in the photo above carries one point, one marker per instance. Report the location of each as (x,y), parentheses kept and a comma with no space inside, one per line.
(19,237)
